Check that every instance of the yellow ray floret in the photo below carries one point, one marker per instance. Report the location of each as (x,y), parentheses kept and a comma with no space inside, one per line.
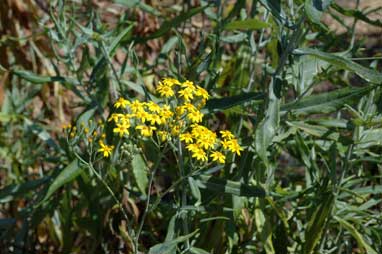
(218,156)
(105,149)
(121,103)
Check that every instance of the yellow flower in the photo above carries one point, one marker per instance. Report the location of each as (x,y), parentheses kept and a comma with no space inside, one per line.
(186,137)
(142,115)
(218,156)
(153,107)
(195,116)
(136,106)
(186,93)
(170,82)
(105,149)
(201,92)
(165,90)
(207,140)
(154,119)
(227,135)
(121,102)
(199,154)
(234,146)
(146,131)
(122,129)
(115,117)
(188,84)
(162,135)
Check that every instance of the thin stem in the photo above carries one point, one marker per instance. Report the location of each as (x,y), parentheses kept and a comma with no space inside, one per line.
(184,192)
(146,211)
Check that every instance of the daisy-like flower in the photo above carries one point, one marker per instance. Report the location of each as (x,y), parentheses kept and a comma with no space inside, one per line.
(122,128)
(121,103)
(186,137)
(218,156)
(201,92)
(146,131)
(165,90)
(186,93)
(234,146)
(105,149)
(199,154)
(227,134)
(195,116)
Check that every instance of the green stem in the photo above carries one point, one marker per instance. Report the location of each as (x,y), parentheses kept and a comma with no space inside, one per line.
(184,193)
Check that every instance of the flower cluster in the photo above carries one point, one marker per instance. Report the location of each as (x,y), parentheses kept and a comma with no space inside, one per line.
(176,116)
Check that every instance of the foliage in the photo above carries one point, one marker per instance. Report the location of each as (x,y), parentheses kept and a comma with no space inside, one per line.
(145,164)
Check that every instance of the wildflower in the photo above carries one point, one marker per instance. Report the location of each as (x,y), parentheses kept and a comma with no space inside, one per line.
(218,156)
(105,149)
(186,137)
(195,116)
(186,93)
(142,115)
(136,106)
(154,119)
(234,146)
(121,103)
(170,82)
(227,135)
(163,135)
(165,90)
(201,92)
(146,131)
(207,140)
(199,154)
(115,117)
(188,84)
(122,129)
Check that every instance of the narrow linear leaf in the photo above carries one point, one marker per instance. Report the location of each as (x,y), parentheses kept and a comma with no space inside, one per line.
(357,235)
(14,191)
(326,102)
(220,104)
(168,247)
(317,223)
(343,63)
(356,14)
(230,187)
(248,24)
(175,22)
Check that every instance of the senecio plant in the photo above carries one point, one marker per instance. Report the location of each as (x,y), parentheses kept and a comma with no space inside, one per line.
(170,123)
(175,118)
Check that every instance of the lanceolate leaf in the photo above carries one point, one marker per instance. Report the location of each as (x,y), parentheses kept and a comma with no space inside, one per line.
(220,104)
(230,187)
(344,64)
(140,172)
(314,10)
(167,25)
(326,102)
(169,247)
(68,174)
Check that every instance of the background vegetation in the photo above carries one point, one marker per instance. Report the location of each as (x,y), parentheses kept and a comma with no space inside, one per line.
(299,82)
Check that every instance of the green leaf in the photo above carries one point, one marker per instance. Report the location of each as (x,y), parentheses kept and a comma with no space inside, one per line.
(13,191)
(140,172)
(234,38)
(68,174)
(248,24)
(314,10)
(316,223)
(357,235)
(267,128)
(230,187)
(356,14)
(169,246)
(195,250)
(40,79)
(326,102)
(220,104)
(343,63)
(175,22)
